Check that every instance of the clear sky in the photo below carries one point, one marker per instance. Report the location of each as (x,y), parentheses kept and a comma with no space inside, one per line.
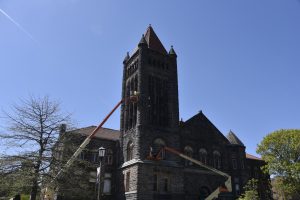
(238,61)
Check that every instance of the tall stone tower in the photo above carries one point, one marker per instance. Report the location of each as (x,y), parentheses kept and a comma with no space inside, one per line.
(151,122)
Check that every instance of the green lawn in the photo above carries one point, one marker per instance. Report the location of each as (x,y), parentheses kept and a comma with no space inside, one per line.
(25,197)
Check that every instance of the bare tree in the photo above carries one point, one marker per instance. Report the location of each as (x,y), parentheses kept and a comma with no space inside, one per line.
(32,130)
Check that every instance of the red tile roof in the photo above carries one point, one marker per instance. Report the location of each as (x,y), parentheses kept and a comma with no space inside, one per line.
(103,133)
(153,41)
(249,156)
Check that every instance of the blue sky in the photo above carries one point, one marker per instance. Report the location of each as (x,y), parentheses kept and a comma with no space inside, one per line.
(238,61)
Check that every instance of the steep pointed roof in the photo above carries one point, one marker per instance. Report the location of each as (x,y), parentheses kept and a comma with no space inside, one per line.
(143,41)
(153,41)
(233,139)
(172,51)
(126,57)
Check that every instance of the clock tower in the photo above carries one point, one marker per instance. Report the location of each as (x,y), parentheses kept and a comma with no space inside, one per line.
(152,122)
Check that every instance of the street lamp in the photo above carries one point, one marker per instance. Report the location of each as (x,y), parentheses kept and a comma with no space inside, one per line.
(101,153)
(99,170)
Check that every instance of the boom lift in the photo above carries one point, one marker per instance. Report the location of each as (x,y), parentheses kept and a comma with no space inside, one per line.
(48,192)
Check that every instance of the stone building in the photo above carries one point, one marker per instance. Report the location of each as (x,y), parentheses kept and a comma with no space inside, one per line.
(152,123)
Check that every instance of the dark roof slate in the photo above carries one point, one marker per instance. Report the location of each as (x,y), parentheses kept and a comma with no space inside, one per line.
(102,133)
(204,125)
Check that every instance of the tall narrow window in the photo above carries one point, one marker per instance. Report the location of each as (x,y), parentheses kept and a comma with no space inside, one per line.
(234,164)
(127,182)
(109,157)
(203,156)
(107,183)
(82,155)
(129,151)
(234,161)
(189,152)
(130,118)
(158,101)
(242,164)
(217,159)
(126,117)
(131,111)
(135,88)
(95,156)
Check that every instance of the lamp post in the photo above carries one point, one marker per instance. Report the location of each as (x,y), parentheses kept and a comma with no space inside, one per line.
(99,171)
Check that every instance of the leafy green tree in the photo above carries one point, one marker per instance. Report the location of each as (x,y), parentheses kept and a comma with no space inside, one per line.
(250,190)
(14,181)
(281,151)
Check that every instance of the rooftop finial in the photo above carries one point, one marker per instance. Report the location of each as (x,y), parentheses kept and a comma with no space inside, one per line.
(142,41)
(172,51)
(126,57)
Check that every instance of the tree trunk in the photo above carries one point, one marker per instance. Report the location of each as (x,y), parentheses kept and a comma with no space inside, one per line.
(34,188)
(34,191)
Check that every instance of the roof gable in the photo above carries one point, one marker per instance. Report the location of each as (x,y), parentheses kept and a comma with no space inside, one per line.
(202,126)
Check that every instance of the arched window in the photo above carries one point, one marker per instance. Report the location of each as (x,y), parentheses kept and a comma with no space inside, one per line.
(157,147)
(217,159)
(129,151)
(234,161)
(203,156)
(189,152)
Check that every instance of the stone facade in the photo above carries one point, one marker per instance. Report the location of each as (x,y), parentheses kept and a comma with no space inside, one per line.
(152,122)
